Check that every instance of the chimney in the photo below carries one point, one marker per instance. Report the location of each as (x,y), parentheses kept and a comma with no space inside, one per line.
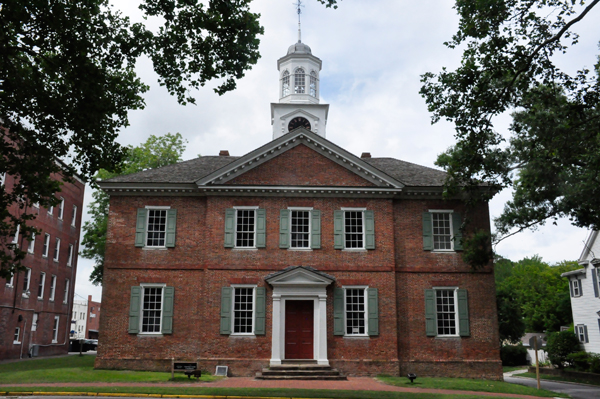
(223,153)
(366,155)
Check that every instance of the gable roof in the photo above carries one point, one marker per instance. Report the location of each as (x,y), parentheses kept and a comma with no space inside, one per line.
(587,248)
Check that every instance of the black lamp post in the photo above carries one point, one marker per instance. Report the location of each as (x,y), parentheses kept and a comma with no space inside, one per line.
(411,377)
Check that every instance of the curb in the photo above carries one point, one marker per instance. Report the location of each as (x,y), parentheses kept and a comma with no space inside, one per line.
(137,395)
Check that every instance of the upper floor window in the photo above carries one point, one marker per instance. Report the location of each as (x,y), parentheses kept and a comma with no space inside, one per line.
(10,281)
(46,246)
(156,227)
(354,228)
(285,84)
(441,231)
(31,246)
(57,250)
(300,228)
(245,227)
(26,281)
(299,81)
(51,210)
(66,297)
(61,208)
(15,239)
(52,287)
(41,285)
(74,216)
(313,84)
(70,258)
(582,334)
(2,179)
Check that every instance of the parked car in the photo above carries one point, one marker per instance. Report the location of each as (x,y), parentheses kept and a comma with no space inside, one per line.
(87,345)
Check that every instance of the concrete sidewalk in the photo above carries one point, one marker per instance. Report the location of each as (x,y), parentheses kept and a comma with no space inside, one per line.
(353,384)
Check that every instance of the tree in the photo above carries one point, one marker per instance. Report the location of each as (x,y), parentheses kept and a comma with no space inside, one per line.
(551,158)
(539,291)
(154,153)
(560,345)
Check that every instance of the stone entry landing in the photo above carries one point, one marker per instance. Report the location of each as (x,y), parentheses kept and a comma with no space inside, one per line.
(300,371)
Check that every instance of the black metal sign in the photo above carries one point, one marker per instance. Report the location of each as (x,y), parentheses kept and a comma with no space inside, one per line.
(183,366)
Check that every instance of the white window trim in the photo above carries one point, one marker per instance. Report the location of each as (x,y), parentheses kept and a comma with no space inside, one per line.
(576,288)
(162,303)
(456,319)
(61,208)
(74,216)
(56,250)
(366,299)
(18,334)
(16,237)
(46,245)
(31,246)
(299,208)
(26,291)
(255,208)
(580,333)
(450,211)
(148,209)
(52,288)
(9,283)
(70,257)
(364,238)
(235,286)
(57,324)
(67,288)
(51,210)
(34,321)
(43,284)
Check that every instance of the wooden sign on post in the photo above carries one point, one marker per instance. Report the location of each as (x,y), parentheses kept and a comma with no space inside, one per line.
(533,342)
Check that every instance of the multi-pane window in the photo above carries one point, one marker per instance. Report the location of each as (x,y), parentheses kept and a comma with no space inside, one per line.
(66,297)
(74,216)
(157,228)
(55,329)
(576,288)
(57,250)
(52,287)
(34,321)
(26,281)
(152,309)
(442,231)
(51,210)
(31,246)
(16,237)
(70,258)
(243,310)
(445,302)
(46,247)
(285,84)
(354,229)
(41,285)
(356,309)
(300,229)
(245,229)
(313,84)
(299,81)
(61,208)
(17,336)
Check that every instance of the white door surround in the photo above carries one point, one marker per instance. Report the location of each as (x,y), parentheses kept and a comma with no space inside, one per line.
(299,283)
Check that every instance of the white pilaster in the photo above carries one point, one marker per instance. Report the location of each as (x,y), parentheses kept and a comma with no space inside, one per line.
(321,331)
(276,348)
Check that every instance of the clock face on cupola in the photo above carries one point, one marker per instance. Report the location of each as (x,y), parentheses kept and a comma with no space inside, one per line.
(298,122)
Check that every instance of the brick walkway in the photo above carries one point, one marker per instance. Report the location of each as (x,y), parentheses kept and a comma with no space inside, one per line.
(353,384)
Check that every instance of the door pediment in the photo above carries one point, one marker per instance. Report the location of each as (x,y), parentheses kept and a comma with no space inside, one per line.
(299,276)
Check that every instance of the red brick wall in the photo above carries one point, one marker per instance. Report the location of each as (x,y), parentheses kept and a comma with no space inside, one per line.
(301,166)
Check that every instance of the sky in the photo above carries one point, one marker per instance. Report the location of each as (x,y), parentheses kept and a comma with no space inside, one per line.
(373,54)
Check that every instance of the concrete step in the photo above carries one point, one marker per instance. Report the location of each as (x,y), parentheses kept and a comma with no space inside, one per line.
(300,372)
(259,376)
(301,367)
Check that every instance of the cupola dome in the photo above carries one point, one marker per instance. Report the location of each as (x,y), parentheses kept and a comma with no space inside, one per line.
(299,48)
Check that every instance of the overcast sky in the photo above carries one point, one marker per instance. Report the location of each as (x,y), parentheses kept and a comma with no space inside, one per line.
(373,54)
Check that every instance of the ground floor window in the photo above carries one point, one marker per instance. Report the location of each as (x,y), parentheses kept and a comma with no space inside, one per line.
(581,331)
(356,309)
(17,336)
(243,310)
(152,309)
(445,302)
(447,312)
(55,329)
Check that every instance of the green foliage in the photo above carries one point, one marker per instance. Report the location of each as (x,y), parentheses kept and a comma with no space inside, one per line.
(513,355)
(477,249)
(511,325)
(551,154)
(538,289)
(584,361)
(68,81)
(559,346)
(156,152)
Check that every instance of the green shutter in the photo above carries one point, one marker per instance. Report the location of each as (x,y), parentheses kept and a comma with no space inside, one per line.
(226,303)
(373,305)
(135,302)
(261,228)
(167,316)
(338,311)
(229,228)
(284,228)
(171,227)
(427,232)
(463,314)
(338,229)
(261,311)
(430,313)
(140,227)
(369,230)
(456,224)
(315,230)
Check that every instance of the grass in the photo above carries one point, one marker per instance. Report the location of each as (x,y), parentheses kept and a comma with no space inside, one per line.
(508,369)
(255,392)
(466,384)
(79,369)
(578,380)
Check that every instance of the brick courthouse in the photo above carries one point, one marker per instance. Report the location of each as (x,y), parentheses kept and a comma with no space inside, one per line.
(298,250)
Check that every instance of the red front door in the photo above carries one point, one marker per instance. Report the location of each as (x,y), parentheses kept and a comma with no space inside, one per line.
(299,329)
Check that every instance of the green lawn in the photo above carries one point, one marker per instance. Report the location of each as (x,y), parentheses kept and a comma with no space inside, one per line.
(466,384)
(561,378)
(78,369)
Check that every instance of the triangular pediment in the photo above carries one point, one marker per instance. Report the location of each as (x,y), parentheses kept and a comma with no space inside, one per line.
(299,276)
(328,161)
(297,112)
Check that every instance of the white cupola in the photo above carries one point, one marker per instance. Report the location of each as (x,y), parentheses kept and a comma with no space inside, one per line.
(298,104)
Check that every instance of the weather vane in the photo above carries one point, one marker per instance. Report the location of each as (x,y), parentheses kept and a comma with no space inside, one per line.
(298,5)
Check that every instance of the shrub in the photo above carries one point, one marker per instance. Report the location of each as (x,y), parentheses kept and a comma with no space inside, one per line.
(580,360)
(513,355)
(595,363)
(560,345)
